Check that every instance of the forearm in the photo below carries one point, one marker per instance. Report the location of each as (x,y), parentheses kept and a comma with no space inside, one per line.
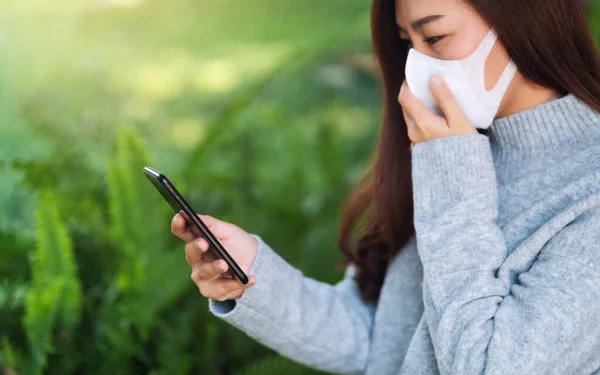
(323,326)
(479,323)
(459,243)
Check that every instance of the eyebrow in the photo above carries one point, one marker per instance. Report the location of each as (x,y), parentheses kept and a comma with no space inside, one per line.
(418,24)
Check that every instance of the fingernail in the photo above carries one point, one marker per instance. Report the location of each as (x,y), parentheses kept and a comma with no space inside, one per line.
(437,80)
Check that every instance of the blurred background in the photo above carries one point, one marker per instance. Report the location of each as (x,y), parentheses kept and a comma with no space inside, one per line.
(263,113)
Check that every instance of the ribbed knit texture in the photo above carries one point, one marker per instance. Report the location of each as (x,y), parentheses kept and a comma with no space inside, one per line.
(501,277)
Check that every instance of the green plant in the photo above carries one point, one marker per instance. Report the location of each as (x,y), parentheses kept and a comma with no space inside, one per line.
(149,277)
(53,303)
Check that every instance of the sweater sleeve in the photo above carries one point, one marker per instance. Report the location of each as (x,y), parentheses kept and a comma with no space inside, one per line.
(547,322)
(327,327)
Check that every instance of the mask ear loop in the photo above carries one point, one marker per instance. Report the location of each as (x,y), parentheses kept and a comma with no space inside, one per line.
(506,76)
(487,44)
(505,79)
(508,73)
(474,63)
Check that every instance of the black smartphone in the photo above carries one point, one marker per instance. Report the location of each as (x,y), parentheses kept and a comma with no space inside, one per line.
(194,224)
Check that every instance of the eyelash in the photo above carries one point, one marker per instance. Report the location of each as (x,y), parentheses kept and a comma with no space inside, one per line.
(433,40)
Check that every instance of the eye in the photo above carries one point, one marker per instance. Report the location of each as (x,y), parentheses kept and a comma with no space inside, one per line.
(433,40)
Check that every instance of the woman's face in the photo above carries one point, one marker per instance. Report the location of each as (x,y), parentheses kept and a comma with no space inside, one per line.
(447,30)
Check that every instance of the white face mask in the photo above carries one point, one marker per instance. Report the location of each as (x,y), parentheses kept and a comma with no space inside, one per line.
(466,80)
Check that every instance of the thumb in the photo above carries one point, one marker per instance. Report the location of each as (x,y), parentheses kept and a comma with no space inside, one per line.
(455,117)
(219,228)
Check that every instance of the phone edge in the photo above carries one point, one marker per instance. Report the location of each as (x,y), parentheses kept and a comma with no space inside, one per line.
(200,225)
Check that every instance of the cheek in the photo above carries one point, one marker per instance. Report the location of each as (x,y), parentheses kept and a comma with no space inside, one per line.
(464,43)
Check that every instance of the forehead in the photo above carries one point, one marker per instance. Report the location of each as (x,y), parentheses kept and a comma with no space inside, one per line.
(410,10)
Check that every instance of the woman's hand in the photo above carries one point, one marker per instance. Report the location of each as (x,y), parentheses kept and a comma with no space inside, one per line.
(424,125)
(207,270)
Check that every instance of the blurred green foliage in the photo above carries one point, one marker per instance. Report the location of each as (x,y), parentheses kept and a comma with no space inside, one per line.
(594,16)
(263,113)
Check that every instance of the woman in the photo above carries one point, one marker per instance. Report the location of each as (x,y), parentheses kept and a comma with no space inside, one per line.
(480,248)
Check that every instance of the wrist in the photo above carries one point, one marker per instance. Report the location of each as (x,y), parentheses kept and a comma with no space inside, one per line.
(451,171)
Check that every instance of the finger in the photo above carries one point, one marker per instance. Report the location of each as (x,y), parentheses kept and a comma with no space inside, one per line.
(420,114)
(195,251)
(231,295)
(179,228)
(221,229)
(207,271)
(414,132)
(238,292)
(219,289)
(454,115)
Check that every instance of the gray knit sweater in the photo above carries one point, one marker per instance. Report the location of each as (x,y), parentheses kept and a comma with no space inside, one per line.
(501,277)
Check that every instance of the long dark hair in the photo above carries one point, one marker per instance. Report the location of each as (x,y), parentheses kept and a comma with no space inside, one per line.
(551,45)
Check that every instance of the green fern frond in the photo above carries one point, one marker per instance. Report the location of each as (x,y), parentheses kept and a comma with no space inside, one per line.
(131,216)
(53,256)
(54,298)
(149,276)
(8,355)
(137,226)
(40,314)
